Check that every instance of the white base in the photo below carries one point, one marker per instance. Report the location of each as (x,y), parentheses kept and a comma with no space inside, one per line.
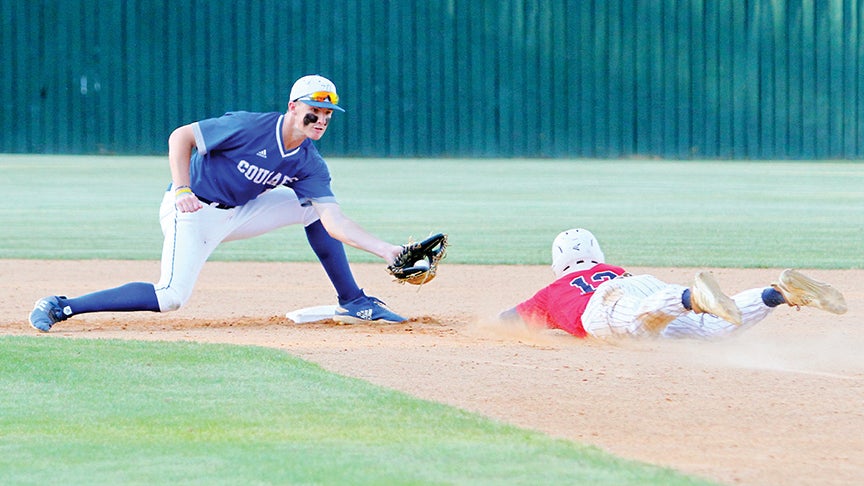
(311,314)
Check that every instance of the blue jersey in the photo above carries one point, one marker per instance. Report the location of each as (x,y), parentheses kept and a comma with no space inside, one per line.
(240,155)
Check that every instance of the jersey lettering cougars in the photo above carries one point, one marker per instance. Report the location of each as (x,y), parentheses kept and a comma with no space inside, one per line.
(263,176)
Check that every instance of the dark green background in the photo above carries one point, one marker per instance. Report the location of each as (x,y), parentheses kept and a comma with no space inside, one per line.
(756,79)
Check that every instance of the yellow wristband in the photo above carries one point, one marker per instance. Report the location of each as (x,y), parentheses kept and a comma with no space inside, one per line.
(182,190)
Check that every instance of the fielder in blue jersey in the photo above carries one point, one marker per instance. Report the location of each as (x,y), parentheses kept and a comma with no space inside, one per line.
(239,176)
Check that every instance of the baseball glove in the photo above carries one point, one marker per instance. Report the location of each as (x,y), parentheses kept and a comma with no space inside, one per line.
(418,262)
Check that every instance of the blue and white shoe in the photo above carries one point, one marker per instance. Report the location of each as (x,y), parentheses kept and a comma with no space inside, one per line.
(365,309)
(47,312)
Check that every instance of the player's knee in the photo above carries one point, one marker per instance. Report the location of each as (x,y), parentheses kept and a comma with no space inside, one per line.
(309,216)
(170,299)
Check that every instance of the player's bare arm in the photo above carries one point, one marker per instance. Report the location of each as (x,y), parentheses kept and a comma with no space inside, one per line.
(346,230)
(180,145)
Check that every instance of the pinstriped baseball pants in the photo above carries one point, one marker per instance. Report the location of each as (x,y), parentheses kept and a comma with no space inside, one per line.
(641,305)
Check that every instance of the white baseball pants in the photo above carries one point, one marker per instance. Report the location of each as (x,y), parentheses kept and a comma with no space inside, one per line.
(632,305)
(190,238)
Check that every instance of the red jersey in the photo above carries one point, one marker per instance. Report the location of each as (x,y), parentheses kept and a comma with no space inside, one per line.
(560,304)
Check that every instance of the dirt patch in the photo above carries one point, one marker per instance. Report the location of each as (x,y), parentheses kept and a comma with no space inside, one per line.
(779,404)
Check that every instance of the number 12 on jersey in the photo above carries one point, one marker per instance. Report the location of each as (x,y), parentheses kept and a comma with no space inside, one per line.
(596,279)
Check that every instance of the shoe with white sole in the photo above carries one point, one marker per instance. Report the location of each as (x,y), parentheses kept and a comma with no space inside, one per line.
(366,309)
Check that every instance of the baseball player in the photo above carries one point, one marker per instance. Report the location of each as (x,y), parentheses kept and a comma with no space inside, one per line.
(592,298)
(238,176)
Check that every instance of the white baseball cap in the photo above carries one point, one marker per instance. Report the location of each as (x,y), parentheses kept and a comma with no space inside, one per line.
(317,91)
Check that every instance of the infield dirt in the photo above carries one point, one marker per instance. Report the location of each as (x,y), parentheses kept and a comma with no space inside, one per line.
(782,403)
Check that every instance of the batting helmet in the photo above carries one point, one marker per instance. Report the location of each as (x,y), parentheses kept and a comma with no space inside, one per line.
(573,250)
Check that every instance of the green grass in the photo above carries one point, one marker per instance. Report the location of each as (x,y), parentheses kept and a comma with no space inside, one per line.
(117,412)
(645,212)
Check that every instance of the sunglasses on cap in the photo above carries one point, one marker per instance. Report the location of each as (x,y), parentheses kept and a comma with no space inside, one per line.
(321,97)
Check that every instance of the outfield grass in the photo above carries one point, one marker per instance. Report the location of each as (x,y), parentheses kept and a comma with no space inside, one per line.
(645,212)
(119,412)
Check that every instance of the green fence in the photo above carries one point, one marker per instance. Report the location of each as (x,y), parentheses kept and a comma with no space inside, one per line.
(467,78)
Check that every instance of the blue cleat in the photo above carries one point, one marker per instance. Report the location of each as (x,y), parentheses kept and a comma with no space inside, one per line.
(365,309)
(47,312)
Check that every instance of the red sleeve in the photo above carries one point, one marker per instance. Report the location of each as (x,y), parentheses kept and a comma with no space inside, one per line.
(535,311)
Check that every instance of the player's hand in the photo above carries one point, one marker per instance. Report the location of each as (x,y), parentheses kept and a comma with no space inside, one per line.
(187,203)
(392,253)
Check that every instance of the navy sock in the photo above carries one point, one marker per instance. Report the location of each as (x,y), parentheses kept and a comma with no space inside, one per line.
(685,299)
(331,254)
(772,297)
(134,296)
